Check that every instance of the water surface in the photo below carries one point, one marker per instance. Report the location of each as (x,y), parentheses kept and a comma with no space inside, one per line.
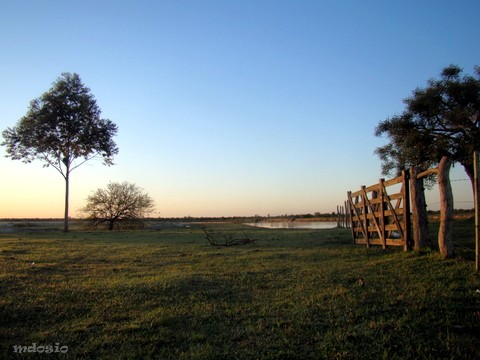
(294,224)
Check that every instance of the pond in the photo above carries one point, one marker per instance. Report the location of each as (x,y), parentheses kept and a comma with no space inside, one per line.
(294,224)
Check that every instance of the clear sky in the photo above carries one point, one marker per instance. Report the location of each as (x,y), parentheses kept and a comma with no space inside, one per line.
(228,107)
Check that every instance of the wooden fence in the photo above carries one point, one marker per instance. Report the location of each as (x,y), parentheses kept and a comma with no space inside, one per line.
(343,220)
(381,217)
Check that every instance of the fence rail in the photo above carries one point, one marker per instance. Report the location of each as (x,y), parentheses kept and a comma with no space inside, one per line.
(377,213)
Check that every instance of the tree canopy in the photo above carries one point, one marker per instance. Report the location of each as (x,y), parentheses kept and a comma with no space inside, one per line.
(118,202)
(62,128)
(442,119)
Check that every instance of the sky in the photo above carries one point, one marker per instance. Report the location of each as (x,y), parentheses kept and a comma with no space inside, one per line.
(228,108)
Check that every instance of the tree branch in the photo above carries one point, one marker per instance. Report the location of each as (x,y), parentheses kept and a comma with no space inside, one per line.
(229,240)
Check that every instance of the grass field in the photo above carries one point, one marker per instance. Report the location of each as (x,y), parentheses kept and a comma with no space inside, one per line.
(294,294)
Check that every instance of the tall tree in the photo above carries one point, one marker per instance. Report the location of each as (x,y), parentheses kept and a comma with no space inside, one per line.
(118,202)
(63,129)
(441,125)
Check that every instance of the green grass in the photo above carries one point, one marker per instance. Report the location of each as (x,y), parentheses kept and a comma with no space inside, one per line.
(295,294)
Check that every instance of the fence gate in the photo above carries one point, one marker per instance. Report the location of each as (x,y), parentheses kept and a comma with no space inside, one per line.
(381,218)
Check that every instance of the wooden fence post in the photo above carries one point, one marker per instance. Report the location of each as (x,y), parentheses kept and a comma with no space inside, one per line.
(406,210)
(346,214)
(382,213)
(365,216)
(350,210)
(476,189)
(338,218)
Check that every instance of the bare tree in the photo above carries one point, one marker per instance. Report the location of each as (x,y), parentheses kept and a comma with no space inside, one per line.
(118,202)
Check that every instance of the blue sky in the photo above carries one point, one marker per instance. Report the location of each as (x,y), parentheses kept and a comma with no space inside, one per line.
(228,107)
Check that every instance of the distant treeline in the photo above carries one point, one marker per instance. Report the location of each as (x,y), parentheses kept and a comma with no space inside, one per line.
(255,218)
(455,212)
(242,219)
(332,216)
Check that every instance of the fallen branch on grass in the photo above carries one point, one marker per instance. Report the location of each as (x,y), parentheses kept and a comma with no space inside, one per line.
(227,240)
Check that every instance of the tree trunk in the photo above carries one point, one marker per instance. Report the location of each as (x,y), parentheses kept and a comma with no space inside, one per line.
(67,184)
(110,224)
(445,243)
(469,170)
(421,233)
